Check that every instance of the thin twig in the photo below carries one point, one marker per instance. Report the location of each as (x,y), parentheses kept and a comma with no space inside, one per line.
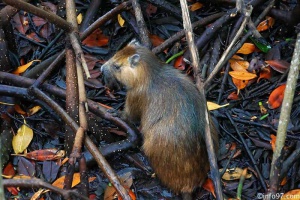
(195,63)
(285,115)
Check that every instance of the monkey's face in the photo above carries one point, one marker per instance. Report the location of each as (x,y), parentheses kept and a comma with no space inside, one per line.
(122,68)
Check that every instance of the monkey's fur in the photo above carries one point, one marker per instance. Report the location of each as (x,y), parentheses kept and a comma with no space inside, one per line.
(171,114)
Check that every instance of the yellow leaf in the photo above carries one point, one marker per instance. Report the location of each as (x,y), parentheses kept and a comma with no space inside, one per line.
(23,68)
(242,75)
(23,138)
(38,194)
(22,177)
(34,110)
(8,104)
(79,18)
(214,106)
(121,20)
(233,174)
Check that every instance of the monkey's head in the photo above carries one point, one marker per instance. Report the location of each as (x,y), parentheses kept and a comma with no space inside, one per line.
(127,66)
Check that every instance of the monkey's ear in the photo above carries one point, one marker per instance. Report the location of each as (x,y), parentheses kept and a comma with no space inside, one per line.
(134,60)
(134,42)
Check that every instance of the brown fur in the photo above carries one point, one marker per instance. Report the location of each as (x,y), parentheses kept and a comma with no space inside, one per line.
(170,110)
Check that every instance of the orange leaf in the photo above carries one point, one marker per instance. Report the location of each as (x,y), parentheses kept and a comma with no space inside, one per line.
(291,195)
(278,65)
(239,65)
(13,190)
(111,193)
(195,6)
(131,194)
(242,75)
(76,180)
(240,84)
(276,97)
(19,110)
(96,39)
(233,146)
(9,171)
(265,73)
(247,48)
(273,140)
(155,40)
(284,181)
(60,181)
(23,68)
(179,63)
(266,24)
(44,154)
(209,186)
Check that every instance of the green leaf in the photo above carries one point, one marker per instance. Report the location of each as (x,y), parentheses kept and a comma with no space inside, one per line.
(261,43)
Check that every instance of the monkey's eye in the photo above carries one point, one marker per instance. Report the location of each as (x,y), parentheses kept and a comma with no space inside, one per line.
(116,67)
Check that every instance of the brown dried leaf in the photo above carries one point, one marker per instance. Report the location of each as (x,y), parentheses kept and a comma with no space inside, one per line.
(155,40)
(96,39)
(278,65)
